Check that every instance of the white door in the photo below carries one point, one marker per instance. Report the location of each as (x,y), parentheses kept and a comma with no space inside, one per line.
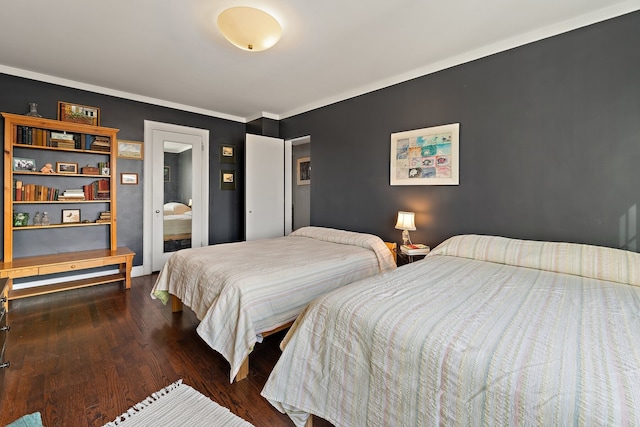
(176,172)
(267,187)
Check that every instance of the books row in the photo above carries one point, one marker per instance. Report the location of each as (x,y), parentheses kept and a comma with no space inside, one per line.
(33,192)
(46,138)
(97,190)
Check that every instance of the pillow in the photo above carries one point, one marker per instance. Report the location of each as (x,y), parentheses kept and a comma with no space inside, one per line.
(179,209)
(175,208)
(597,262)
(343,237)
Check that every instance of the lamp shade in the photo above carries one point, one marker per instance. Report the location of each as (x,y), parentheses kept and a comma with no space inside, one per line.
(406,221)
(249,28)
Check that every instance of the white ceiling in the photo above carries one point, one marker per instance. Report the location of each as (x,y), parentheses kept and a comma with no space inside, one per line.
(169,52)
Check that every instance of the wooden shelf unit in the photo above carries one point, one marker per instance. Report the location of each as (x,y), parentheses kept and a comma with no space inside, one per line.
(66,262)
(27,266)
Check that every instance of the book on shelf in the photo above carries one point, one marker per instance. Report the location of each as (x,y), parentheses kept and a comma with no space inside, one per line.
(98,143)
(104,217)
(62,143)
(72,195)
(62,136)
(17,190)
(415,249)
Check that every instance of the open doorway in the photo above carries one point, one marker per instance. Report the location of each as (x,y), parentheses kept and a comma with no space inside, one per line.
(301,182)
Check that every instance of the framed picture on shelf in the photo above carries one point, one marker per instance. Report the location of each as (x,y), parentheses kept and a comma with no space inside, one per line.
(70,216)
(227,154)
(167,174)
(129,178)
(25,165)
(227,180)
(304,171)
(65,167)
(129,149)
(68,112)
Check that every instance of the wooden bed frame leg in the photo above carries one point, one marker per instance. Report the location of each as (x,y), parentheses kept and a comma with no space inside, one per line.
(309,422)
(244,370)
(176,304)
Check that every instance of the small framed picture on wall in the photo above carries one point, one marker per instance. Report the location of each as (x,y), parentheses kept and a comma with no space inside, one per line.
(227,180)
(129,178)
(227,154)
(304,171)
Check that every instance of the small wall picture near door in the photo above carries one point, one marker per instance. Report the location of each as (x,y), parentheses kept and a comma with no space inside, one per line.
(227,154)
(304,171)
(167,174)
(129,178)
(227,180)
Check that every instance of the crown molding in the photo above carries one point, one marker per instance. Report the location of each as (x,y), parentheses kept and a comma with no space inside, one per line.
(117,93)
(472,55)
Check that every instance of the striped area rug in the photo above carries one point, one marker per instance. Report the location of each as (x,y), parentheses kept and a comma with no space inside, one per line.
(179,405)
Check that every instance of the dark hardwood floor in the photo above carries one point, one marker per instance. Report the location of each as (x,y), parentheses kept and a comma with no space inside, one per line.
(83,357)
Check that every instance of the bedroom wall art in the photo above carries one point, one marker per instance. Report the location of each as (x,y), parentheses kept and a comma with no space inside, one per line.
(68,112)
(130,150)
(304,171)
(129,178)
(227,154)
(227,180)
(428,156)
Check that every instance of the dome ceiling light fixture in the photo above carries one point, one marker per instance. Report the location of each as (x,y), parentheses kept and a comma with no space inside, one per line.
(249,28)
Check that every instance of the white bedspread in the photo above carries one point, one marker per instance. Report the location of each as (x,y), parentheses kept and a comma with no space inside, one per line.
(176,225)
(238,290)
(461,341)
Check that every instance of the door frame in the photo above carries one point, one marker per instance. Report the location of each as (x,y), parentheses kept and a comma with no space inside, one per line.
(149,128)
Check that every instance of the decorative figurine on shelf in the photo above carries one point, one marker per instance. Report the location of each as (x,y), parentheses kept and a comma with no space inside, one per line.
(48,168)
(33,110)
(45,219)
(37,219)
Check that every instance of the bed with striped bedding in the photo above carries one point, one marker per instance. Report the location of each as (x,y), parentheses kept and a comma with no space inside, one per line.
(240,290)
(484,331)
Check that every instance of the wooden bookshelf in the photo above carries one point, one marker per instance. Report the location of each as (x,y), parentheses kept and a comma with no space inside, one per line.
(83,139)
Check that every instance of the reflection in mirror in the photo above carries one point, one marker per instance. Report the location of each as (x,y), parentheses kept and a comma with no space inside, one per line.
(177,196)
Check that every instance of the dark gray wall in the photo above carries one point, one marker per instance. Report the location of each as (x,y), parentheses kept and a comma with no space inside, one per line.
(226,207)
(549,145)
(265,127)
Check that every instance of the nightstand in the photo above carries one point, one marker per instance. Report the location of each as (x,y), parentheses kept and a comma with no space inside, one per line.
(406,256)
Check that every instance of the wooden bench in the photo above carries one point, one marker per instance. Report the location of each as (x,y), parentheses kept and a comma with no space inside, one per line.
(64,263)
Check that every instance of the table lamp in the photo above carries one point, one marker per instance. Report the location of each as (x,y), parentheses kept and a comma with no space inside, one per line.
(405,223)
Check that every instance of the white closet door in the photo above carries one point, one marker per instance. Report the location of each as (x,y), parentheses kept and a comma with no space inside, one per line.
(266,188)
